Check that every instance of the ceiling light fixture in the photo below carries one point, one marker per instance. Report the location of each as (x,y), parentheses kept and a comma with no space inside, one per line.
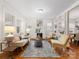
(40,10)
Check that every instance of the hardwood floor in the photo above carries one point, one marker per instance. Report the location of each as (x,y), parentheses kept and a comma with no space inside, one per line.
(16,54)
(37,58)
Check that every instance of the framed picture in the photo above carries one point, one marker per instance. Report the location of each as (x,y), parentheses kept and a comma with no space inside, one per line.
(39,23)
(37,30)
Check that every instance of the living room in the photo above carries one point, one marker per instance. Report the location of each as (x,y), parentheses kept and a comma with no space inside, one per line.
(39,29)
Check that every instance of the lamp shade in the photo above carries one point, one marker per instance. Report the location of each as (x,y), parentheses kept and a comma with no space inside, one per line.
(9,29)
(28,30)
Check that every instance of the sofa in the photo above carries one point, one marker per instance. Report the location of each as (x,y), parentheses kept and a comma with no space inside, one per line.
(15,42)
(19,43)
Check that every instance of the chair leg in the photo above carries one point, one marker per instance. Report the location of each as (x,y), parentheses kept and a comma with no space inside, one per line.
(54,51)
(10,55)
(65,50)
(76,43)
(22,48)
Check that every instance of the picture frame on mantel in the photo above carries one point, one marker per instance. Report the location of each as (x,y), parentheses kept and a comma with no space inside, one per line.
(39,23)
(37,30)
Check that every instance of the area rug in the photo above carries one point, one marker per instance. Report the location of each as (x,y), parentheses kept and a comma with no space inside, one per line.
(45,51)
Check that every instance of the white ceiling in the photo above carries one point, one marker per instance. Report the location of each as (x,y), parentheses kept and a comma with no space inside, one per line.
(52,7)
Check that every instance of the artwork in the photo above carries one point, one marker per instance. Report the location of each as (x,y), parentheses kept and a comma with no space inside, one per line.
(37,30)
(39,23)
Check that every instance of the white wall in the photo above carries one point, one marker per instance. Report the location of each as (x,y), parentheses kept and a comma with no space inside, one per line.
(32,22)
(24,21)
(17,16)
(23,26)
(2,17)
(48,26)
(7,8)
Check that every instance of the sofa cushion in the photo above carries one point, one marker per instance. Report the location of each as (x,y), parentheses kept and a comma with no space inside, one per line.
(16,38)
(56,41)
(63,38)
(21,43)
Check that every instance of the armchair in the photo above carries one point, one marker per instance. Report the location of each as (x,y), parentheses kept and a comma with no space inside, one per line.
(60,44)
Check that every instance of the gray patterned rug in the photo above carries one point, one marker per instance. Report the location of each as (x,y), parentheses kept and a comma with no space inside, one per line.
(45,51)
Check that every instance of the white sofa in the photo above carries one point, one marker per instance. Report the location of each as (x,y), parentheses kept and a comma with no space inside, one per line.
(20,43)
(15,43)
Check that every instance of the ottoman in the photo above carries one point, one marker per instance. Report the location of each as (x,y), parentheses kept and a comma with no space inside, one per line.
(38,43)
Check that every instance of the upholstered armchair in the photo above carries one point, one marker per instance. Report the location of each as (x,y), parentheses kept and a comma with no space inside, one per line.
(61,43)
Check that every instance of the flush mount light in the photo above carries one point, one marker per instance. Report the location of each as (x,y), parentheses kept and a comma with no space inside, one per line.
(40,10)
(28,30)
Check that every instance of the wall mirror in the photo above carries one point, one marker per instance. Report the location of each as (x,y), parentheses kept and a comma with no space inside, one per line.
(74,20)
(59,24)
